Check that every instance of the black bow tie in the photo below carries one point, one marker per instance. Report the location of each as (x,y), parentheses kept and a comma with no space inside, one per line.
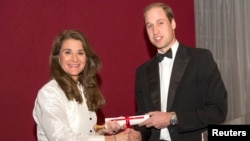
(167,54)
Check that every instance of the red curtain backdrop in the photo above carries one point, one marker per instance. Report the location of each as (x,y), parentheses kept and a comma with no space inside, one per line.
(114,28)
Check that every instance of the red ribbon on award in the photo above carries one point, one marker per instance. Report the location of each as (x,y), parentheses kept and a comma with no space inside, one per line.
(128,121)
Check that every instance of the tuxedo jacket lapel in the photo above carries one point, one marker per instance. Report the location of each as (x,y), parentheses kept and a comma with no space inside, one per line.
(154,83)
(180,64)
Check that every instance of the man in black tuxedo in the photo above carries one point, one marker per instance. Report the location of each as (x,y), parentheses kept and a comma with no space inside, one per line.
(183,91)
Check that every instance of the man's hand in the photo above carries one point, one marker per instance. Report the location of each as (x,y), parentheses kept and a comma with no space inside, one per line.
(157,119)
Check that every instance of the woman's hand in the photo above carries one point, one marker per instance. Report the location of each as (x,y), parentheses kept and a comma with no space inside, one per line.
(133,135)
(113,127)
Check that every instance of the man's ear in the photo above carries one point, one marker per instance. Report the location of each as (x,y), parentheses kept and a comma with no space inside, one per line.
(173,23)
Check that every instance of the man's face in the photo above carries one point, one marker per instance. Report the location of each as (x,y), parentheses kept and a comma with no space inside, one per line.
(159,29)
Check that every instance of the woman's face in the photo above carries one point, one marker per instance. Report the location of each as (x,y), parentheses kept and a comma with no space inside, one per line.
(72,57)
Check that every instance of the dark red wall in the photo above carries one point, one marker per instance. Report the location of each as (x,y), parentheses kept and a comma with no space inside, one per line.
(114,28)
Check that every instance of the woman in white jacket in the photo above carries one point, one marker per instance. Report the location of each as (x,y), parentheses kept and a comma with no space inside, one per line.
(65,107)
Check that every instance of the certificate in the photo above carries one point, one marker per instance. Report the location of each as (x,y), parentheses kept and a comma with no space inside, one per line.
(129,120)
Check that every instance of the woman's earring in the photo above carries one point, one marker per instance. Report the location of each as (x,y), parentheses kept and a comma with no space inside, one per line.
(91,61)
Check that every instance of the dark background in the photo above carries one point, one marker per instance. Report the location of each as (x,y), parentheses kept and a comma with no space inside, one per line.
(115,30)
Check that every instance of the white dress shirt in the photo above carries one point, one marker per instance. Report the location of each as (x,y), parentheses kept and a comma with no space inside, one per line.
(165,68)
(59,119)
